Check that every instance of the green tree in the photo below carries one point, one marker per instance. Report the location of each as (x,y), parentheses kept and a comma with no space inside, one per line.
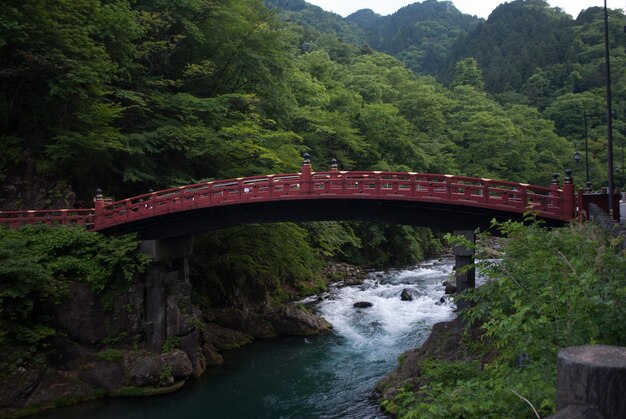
(467,73)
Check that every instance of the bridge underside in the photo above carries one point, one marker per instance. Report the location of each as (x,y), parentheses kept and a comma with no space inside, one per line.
(440,217)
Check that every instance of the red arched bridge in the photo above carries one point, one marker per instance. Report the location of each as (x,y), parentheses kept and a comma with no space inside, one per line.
(421,199)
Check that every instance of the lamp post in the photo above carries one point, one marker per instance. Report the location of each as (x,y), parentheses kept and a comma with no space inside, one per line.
(577,157)
(609,124)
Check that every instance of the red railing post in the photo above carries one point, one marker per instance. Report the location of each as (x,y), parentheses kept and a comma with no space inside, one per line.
(581,213)
(334,174)
(555,184)
(569,202)
(98,204)
(306,175)
(485,190)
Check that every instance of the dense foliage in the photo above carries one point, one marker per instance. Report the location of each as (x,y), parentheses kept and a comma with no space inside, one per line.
(131,96)
(37,265)
(577,297)
(421,34)
(283,261)
(526,52)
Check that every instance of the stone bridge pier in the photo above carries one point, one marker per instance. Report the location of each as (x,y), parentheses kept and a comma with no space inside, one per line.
(167,291)
(465,273)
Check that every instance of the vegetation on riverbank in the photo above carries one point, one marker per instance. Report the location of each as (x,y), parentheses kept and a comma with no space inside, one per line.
(136,95)
(37,266)
(552,289)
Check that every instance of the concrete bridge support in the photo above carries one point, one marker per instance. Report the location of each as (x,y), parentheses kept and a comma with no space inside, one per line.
(464,265)
(167,289)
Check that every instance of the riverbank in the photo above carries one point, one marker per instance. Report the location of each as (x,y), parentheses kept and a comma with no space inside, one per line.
(331,375)
(552,289)
(98,351)
(448,341)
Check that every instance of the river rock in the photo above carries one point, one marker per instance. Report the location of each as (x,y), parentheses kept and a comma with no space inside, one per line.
(146,371)
(292,321)
(445,342)
(190,344)
(63,387)
(80,316)
(223,338)
(18,385)
(66,355)
(83,318)
(211,357)
(450,287)
(363,304)
(406,295)
(179,364)
(250,323)
(103,374)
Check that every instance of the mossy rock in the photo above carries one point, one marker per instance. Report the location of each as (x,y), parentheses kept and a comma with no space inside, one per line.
(134,391)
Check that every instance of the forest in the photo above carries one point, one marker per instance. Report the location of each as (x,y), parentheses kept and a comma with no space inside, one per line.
(133,95)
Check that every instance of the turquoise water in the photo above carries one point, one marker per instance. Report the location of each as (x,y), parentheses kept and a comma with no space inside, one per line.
(329,376)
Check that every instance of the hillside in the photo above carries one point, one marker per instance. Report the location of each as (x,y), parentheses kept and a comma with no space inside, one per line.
(317,20)
(420,34)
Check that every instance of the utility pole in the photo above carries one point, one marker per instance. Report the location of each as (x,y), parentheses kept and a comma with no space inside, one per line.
(609,117)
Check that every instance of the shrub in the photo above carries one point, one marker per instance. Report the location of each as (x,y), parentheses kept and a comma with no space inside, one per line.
(552,289)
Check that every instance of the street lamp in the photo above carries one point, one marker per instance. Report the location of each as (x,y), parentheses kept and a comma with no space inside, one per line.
(577,157)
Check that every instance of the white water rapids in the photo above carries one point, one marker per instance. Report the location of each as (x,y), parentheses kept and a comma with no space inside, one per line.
(327,376)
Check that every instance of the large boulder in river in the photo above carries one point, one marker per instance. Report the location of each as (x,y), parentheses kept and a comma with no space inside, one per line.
(363,304)
(450,287)
(248,322)
(179,364)
(146,371)
(406,295)
(222,338)
(293,321)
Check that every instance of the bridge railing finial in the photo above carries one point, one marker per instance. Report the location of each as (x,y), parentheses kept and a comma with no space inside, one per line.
(555,181)
(306,174)
(569,196)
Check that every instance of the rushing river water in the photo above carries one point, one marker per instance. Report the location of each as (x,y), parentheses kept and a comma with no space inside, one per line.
(329,376)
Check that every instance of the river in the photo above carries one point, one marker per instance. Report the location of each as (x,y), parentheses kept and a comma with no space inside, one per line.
(329,376)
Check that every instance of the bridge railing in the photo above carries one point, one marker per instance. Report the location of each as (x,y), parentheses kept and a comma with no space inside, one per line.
(16,219)
(199,196)
(549,202)
(461,190)
(436,187)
